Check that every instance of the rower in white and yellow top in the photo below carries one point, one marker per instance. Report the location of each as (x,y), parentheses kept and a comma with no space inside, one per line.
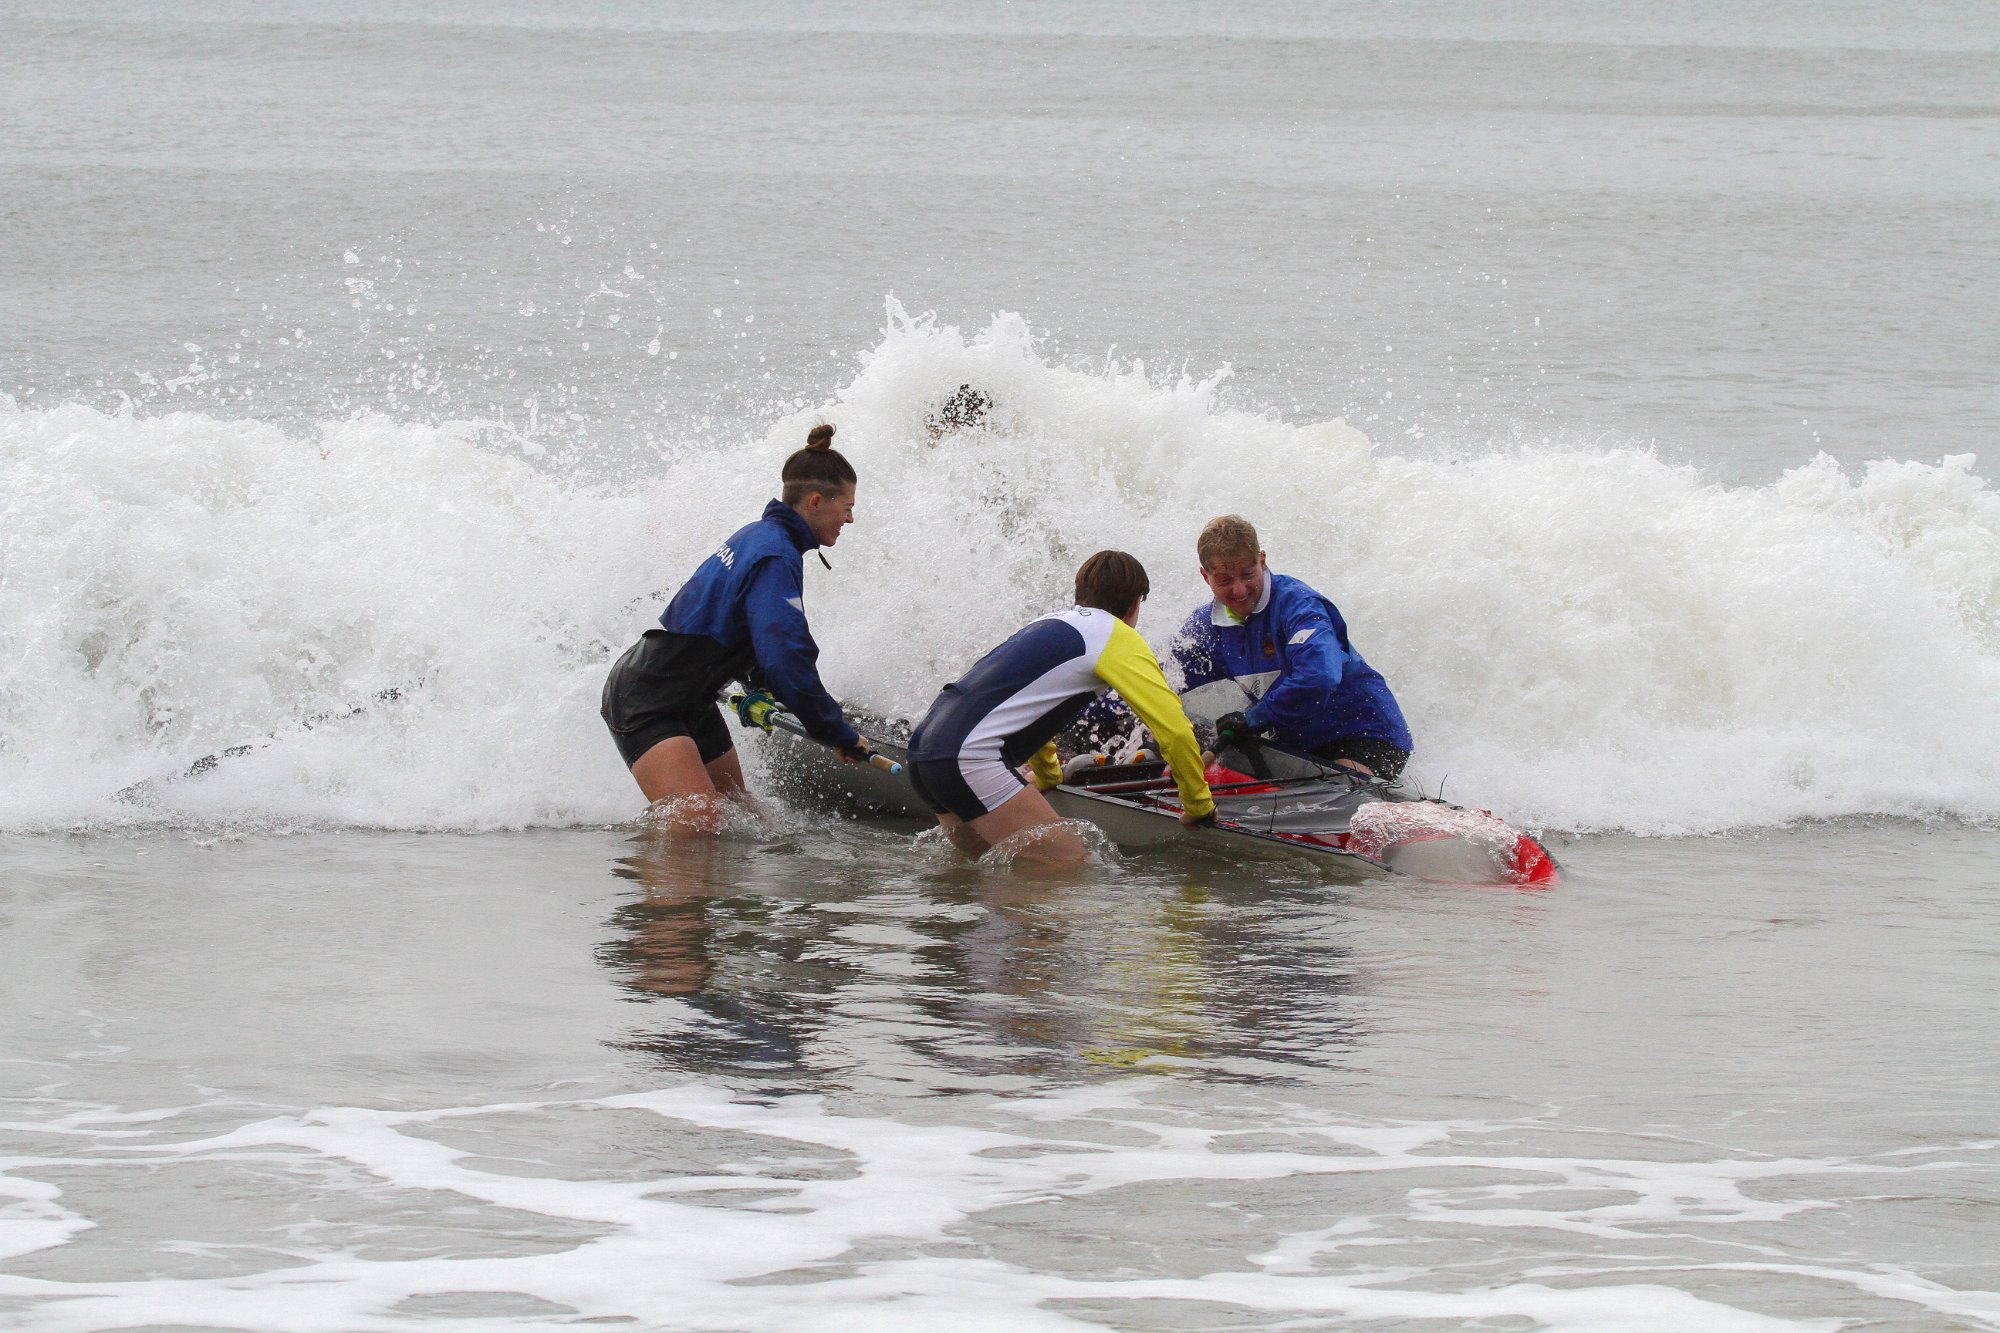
(965,755)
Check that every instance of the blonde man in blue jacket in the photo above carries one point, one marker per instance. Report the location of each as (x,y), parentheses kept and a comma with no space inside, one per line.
(1287,648)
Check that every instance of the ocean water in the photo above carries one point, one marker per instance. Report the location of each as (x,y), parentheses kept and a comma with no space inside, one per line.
(370,374)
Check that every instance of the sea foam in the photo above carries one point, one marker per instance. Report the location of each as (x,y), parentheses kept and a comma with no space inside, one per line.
(787,1213)
(405,624)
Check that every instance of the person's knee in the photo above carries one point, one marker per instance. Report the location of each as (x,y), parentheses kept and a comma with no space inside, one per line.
(690,814)
(1053,846)
(961,836)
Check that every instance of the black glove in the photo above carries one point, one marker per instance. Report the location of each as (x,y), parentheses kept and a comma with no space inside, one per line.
(857,753)
(1234,729)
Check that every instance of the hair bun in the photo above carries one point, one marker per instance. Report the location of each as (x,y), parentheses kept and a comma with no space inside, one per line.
(820,436)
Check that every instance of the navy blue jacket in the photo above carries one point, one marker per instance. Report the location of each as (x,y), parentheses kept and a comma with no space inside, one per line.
(749,597)
(1293,657)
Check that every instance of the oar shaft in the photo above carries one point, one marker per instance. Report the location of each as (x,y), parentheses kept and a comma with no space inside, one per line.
(781,719)
(1165,784)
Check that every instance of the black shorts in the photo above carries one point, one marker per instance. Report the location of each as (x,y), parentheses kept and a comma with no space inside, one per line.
(940,784)
(1385,759)
(648,699)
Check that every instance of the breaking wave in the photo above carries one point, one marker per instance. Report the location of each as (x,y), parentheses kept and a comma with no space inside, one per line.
(405,624)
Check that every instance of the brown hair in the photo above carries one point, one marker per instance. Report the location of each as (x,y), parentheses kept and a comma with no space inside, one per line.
(1111,581)
(817,469)
(1228,537)
(965,408)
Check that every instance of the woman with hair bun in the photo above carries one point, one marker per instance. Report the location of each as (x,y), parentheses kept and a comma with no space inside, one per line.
(741,617)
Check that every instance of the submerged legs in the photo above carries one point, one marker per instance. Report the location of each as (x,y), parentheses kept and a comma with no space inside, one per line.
(1038,838)
(696,793)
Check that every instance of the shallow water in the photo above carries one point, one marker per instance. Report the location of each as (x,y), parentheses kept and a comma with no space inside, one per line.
(816,1074)
(369,376)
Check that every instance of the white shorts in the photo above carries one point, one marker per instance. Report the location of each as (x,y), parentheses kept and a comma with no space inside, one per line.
(992,783)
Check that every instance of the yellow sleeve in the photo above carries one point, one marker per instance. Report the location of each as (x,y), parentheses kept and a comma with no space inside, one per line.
(1128,666)
(1046,766)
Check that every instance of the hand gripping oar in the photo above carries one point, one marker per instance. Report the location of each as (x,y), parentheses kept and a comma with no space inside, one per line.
(765,713)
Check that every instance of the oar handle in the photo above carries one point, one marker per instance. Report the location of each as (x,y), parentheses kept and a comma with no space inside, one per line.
(777,717)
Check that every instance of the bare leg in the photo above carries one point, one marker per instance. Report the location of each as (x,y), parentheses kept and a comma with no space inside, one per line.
(1029,809)
(668,951)
(962,836)
(672,770)
(725,771)
(1356,765)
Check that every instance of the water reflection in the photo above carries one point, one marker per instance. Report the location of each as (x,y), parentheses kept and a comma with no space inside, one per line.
(1169,972)
(860,964)
(692,937)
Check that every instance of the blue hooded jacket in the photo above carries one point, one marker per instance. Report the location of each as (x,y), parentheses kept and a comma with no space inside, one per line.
(749,597)
(1293,657)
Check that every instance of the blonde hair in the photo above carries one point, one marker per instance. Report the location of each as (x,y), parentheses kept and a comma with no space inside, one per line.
(1228,537)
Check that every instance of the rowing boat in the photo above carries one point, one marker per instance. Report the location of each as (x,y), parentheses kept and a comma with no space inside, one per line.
(1266,799)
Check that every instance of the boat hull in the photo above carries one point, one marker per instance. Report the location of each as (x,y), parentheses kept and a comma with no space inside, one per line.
(1284,804)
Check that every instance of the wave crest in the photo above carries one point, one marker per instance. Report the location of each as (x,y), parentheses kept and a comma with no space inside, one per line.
(406,624)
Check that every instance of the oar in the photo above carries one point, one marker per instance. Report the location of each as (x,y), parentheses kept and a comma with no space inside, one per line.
(1162,784)
(777,717)
(145,787)
(1325,773)
(1252,748)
